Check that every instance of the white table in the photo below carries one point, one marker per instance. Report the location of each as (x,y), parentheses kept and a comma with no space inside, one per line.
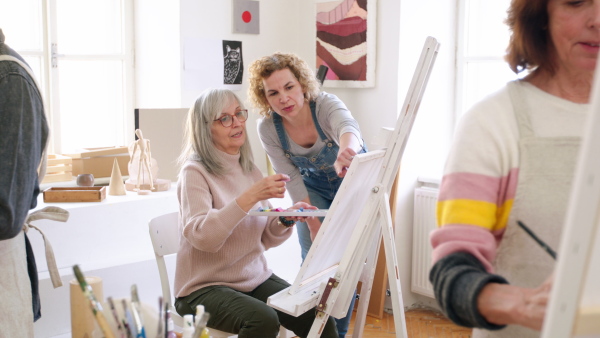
(109,239)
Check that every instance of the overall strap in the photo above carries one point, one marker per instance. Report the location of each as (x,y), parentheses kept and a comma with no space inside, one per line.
(277,121)
(313,111)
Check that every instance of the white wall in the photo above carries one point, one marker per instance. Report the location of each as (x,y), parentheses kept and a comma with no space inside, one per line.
(288,25)
(427,147)
(157,58)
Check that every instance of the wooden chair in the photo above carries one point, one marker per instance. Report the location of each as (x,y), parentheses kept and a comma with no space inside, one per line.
(164,233)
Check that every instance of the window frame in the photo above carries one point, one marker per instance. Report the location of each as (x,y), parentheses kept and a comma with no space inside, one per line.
(462,60)
(49,74)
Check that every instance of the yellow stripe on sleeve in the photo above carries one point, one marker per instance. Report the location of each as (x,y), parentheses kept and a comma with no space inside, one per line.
(502,214)
(465,211)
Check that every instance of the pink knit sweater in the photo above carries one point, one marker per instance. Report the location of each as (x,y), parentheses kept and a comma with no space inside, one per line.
(220,243)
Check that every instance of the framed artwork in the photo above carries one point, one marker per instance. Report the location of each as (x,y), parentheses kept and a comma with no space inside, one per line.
(246,17)
(346,34)
(233,63)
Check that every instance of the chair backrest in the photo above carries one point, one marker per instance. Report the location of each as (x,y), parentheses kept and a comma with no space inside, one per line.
(164,234)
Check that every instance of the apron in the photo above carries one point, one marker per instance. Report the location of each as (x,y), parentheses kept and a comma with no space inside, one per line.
(16,315)
(547,166)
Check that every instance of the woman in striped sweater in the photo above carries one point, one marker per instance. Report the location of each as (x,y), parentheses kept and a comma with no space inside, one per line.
(513,159)
(220,263)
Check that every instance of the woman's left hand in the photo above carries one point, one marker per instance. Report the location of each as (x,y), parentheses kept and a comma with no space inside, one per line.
(342,163)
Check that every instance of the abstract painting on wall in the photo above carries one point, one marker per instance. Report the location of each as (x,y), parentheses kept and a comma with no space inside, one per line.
(246,17)
(346,42)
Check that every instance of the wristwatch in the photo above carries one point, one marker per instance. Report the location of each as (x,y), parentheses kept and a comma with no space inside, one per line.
(286,223)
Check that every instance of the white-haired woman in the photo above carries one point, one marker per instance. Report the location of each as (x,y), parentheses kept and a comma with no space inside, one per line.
(220,263)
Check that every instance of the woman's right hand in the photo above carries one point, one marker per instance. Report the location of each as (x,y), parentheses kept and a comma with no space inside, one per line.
(503,304)
(269,187)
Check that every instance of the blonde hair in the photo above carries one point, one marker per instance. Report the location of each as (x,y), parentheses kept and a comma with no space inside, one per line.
(263,68)
(198,143)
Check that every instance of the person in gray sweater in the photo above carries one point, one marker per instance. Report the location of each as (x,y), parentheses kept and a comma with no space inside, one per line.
(24,132)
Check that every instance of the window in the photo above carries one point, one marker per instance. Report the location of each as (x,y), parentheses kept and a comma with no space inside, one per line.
(481,45)
(82,53)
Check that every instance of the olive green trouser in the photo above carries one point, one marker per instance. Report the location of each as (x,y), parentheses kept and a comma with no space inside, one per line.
(247,314)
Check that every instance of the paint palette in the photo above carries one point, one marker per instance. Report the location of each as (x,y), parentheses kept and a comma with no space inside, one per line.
(289,213)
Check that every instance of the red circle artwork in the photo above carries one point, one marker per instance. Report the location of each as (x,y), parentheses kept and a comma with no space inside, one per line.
(246,16)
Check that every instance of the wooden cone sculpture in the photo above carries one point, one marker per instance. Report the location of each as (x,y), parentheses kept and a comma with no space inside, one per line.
(116,187)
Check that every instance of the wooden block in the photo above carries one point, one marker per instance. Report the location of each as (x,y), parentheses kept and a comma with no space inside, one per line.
(58,169)
(58,177)
(100,166)
(54,159)
(61,168)
(95,152)
(74,194)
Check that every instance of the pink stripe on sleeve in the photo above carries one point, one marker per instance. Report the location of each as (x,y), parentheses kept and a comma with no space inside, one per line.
(479,187)
(477,241)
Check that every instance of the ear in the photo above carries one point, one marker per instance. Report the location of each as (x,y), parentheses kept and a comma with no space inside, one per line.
(228,48)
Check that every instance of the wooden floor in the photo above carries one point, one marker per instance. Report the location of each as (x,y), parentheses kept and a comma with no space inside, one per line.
(420,323)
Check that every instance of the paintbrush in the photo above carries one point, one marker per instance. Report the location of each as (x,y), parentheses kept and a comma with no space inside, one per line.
(137,313)
(94,304)
(544,246)
(129,320)
(116,317)
(160,332)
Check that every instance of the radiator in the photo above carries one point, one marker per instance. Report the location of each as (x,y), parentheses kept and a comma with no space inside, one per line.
(423,223)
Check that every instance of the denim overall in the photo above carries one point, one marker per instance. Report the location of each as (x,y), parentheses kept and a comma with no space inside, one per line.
(322,183)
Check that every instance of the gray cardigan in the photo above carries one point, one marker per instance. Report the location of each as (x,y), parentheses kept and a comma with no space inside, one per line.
(23,136)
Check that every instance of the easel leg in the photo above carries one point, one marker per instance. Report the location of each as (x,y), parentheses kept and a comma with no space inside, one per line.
(367,285)
(318,325)
(393,271)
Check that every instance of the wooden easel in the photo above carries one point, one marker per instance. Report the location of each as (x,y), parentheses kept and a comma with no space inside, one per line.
(346,247)
(574,307)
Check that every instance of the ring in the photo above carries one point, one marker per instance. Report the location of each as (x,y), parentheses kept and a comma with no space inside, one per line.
(280,190)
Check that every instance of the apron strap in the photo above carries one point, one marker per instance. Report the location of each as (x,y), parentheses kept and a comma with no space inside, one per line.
(520,109)
(42,167)
(54,214)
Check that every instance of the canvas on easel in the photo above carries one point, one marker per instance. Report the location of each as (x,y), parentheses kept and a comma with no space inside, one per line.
(574,306)
(346,246)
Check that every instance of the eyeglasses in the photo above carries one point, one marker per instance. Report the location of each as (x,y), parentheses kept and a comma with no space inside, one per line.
(227,120)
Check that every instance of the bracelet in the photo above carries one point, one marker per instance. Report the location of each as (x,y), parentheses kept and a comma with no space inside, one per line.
(286,223)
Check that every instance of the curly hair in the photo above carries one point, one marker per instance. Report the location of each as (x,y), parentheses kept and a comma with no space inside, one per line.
(530,45)
(263,68)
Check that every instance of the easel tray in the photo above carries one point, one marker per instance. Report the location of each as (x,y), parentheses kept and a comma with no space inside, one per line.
(74,194)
